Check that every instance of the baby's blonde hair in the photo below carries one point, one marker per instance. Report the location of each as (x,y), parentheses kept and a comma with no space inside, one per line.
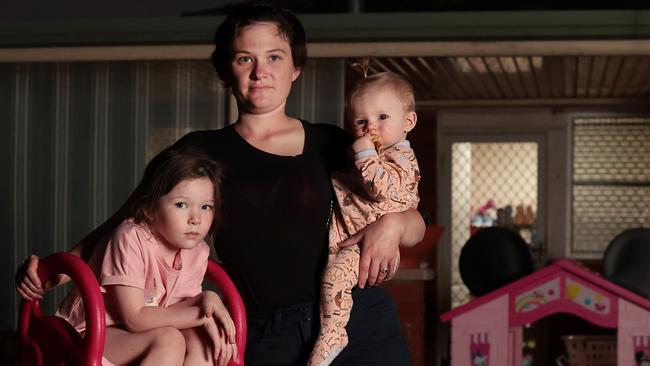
(398,83)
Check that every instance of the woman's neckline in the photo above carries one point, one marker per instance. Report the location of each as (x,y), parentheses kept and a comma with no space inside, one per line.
(254,148)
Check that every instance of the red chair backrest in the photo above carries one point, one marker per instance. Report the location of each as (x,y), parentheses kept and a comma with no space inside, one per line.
(51,341)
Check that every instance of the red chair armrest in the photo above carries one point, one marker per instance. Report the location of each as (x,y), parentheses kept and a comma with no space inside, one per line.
(235,305)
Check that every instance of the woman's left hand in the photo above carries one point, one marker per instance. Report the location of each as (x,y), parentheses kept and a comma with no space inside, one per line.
(379,244)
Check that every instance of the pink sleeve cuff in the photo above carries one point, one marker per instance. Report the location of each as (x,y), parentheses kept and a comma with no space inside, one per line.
(122,280)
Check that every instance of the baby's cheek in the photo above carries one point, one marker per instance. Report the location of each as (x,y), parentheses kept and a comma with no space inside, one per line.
(358,132)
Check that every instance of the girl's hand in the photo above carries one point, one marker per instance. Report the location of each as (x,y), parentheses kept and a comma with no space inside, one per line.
(379,244)
(28,285)
(211,305)
(223,351)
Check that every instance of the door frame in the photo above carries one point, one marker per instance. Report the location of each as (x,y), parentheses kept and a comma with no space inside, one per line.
(545,126)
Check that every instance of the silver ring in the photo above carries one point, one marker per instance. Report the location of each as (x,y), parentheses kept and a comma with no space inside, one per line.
(384,270)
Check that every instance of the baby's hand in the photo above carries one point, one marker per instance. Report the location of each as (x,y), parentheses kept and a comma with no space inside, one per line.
(211,304)
(362,143)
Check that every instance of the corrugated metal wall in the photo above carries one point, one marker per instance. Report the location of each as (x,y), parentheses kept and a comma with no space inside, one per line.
(75,138)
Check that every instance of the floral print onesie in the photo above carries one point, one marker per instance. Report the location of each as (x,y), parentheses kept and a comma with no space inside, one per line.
(379,183)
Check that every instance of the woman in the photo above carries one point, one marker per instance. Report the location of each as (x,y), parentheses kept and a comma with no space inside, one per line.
(277,200)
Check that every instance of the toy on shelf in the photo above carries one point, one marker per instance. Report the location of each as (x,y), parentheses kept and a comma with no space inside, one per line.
(485,215)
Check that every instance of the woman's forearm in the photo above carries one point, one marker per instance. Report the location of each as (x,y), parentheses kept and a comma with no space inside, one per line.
(413,228)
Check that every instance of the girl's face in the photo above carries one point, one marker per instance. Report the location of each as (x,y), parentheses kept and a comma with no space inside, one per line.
(262,68)
(184,215)
(379,111)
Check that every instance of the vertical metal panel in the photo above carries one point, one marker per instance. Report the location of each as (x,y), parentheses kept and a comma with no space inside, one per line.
(8,133)
(317,95)
(82,149)
(163,108)
(123,159)
(208,97)
(142,116)
(37,199)
(100,139)
(61,210)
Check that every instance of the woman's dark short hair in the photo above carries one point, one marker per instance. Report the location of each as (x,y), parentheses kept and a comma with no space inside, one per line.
(250,13)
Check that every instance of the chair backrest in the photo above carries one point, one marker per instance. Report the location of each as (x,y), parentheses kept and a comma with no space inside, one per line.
(626,259)
(51,341)
(493,257)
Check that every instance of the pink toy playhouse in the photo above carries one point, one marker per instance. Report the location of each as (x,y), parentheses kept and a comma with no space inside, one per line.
(488,330)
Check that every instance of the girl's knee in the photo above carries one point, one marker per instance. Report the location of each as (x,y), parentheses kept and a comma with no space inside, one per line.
(193,338)
(169,339)
(197,350)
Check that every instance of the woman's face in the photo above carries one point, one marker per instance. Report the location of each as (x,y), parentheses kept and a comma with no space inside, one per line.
(262,68)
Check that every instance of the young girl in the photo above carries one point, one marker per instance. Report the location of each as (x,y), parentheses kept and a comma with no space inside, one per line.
(151,267)
(384,179)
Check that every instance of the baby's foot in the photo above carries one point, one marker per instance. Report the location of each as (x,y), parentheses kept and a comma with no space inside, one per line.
(329,344)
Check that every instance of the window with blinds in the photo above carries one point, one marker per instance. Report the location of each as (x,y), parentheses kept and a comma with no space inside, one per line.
(610,179)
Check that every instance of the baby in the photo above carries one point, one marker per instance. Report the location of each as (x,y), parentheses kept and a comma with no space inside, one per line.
(384,179)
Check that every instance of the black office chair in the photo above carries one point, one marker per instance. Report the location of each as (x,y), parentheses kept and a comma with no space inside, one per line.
(494,257)
(627,260)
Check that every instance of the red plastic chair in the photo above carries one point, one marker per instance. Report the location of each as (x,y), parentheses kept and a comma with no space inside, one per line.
(51,341)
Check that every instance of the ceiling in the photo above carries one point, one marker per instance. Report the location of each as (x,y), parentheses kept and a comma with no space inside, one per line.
(575,79)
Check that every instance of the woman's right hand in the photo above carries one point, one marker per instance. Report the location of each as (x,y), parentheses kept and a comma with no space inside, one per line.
(28,285)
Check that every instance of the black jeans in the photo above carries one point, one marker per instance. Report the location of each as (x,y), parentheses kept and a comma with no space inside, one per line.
(286,337)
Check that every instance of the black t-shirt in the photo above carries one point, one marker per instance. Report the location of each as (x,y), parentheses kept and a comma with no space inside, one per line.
(272,234)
